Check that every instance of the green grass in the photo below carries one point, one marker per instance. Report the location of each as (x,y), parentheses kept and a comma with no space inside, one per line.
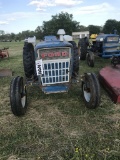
(57,126)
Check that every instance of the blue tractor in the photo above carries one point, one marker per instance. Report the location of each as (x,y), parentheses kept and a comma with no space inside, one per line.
(105,46)
(53,65)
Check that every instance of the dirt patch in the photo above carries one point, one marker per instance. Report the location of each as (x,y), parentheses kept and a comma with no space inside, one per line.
(5,72)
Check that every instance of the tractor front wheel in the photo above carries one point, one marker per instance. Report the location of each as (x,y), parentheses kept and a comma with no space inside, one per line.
(82,48)
(91,90)
(18,96)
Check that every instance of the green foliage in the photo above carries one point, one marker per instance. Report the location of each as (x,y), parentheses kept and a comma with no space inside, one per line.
(111,24)
(94,29)
(2,32)
(27,33)
(61,20)
(39,32)
(83,28)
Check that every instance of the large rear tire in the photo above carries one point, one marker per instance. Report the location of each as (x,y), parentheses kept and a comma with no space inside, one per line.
(18,96)
(91,90)
(28,60)
(115,61)
(83,48)
(75,60)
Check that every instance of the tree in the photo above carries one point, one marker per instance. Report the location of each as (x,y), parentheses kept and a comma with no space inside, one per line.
(2,32)
(60,21)
(94,29)
(2,35)
(39,32)
(111,24)
(83,28)
(12,36)
(27,33)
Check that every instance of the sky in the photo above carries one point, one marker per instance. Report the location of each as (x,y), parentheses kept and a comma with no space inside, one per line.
(20,15)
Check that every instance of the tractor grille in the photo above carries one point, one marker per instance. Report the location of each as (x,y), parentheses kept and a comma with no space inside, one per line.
(111,44)
(111,49)
(55,71)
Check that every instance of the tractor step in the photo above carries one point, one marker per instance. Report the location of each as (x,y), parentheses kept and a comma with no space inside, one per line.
(110,79)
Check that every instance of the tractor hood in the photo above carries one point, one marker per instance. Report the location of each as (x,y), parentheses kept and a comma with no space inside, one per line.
(107,38)
(52,44)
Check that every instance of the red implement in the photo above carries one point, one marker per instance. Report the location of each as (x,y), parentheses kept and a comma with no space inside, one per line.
(4,53)
(110,78)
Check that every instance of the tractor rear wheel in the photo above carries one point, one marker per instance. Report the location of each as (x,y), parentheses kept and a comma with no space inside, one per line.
(115,61)
(18,96)
(90,59)
(28,60)
(75,59)
(83,48)
(91,90)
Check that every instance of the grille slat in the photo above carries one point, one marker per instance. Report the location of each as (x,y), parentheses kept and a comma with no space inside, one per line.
(55,71)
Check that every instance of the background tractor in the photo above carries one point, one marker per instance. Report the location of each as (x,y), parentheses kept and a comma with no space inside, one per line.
(93,36)
(105,45)
(53,65)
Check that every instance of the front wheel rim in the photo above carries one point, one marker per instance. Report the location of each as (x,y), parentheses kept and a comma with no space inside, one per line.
(87,94)
(23,101)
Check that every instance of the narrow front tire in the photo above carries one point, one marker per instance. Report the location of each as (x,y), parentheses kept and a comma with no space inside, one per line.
(18,96)
(91,90)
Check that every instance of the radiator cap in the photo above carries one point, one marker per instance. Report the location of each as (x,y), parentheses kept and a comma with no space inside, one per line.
(61,32)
